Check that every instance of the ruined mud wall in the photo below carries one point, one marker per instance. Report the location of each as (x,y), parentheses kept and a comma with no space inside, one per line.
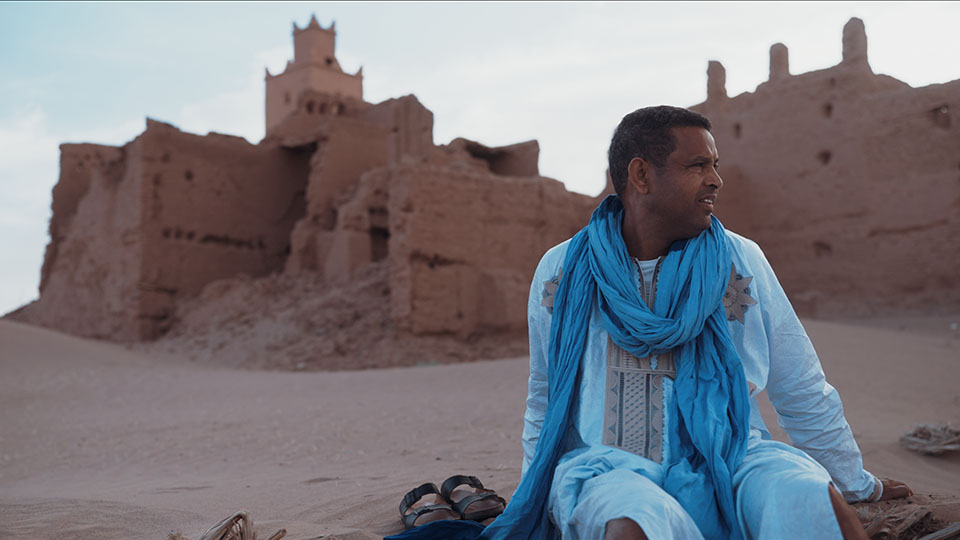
(464,245)
(849,181)
(214,206)
(137,227)
(346,148)
(521,159)
(90,277)
(409,124)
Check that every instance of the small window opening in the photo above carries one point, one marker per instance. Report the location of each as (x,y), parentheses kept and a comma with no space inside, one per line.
(379,243)
(941,116)
(822,249)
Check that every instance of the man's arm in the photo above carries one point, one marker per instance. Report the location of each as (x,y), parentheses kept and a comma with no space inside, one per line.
(808,407)
(538,323)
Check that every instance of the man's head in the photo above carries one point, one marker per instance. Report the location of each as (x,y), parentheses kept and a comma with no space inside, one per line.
(663,164)
(648,133)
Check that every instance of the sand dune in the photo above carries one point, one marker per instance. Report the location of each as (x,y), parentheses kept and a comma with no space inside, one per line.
(99,442)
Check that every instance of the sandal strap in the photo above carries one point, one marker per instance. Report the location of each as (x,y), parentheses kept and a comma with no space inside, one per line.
(416,494)
(456,480)
(409,517)
(463,504)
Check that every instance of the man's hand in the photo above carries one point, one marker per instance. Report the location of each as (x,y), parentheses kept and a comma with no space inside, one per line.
(893,489)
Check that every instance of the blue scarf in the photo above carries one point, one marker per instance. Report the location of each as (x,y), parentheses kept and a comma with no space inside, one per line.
(708,434)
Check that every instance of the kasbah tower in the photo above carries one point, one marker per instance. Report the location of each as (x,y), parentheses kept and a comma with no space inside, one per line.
(849,181)
(315,67)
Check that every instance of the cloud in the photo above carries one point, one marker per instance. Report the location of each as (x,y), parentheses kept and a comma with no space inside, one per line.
(29,158)
(29,168)
(566,92)
(238,111)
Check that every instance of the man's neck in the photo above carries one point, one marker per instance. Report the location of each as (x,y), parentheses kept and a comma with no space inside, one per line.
(644,239)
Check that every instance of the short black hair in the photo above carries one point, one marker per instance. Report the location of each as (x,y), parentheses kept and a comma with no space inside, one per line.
(646,133)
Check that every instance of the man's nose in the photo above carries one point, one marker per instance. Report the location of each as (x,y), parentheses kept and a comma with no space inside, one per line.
(715,180)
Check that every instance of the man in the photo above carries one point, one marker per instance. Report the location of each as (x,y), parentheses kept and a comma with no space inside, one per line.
(651,333)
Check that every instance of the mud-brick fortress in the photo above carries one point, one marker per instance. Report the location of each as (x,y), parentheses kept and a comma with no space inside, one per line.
(336,184)
(849,180)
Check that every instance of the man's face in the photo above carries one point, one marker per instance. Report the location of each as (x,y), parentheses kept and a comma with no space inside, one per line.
(683,193)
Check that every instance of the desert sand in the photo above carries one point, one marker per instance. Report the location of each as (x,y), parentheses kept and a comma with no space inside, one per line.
(101,442)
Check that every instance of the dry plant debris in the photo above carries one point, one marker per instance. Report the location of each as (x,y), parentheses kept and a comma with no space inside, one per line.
(932,439)
(239,526)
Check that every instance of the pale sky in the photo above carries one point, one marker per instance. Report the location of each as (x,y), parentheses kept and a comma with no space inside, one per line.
(499,73)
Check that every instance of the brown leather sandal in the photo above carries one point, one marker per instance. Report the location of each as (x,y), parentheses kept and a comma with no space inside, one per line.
(413,506)
(475,504)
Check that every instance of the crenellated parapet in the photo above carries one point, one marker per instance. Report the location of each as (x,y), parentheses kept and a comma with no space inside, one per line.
(716,81)
(855,43)
(779,62)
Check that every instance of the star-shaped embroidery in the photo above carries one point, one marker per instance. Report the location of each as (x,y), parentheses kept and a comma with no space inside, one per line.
(737,297)
(550,291)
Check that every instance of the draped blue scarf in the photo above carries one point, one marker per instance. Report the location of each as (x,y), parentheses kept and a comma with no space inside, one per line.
(710,420)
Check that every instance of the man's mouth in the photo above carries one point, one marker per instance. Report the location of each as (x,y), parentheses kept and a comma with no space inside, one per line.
(709,200)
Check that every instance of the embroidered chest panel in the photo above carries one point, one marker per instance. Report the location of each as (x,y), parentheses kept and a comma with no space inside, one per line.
(633,401)
(737,299)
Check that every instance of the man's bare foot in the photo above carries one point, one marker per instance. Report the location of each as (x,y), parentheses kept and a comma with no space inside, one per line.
(850,526)
(623,529)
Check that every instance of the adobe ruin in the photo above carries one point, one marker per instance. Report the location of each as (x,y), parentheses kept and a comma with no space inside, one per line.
(336,185)
(849,181)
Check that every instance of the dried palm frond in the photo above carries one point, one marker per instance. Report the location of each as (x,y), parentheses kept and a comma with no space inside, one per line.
(239,526)
(932,439)
(890,521)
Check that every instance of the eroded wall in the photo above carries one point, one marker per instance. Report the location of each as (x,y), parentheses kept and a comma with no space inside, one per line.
(465,243)
(136,228)
(849,181)
(409,124)
(346,149)
(90,280)
(214,206)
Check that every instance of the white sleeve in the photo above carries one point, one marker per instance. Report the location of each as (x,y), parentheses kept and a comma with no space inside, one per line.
(808,407)
(538,321)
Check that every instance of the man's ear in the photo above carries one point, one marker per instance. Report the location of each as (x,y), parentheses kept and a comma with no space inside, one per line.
(638,175)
